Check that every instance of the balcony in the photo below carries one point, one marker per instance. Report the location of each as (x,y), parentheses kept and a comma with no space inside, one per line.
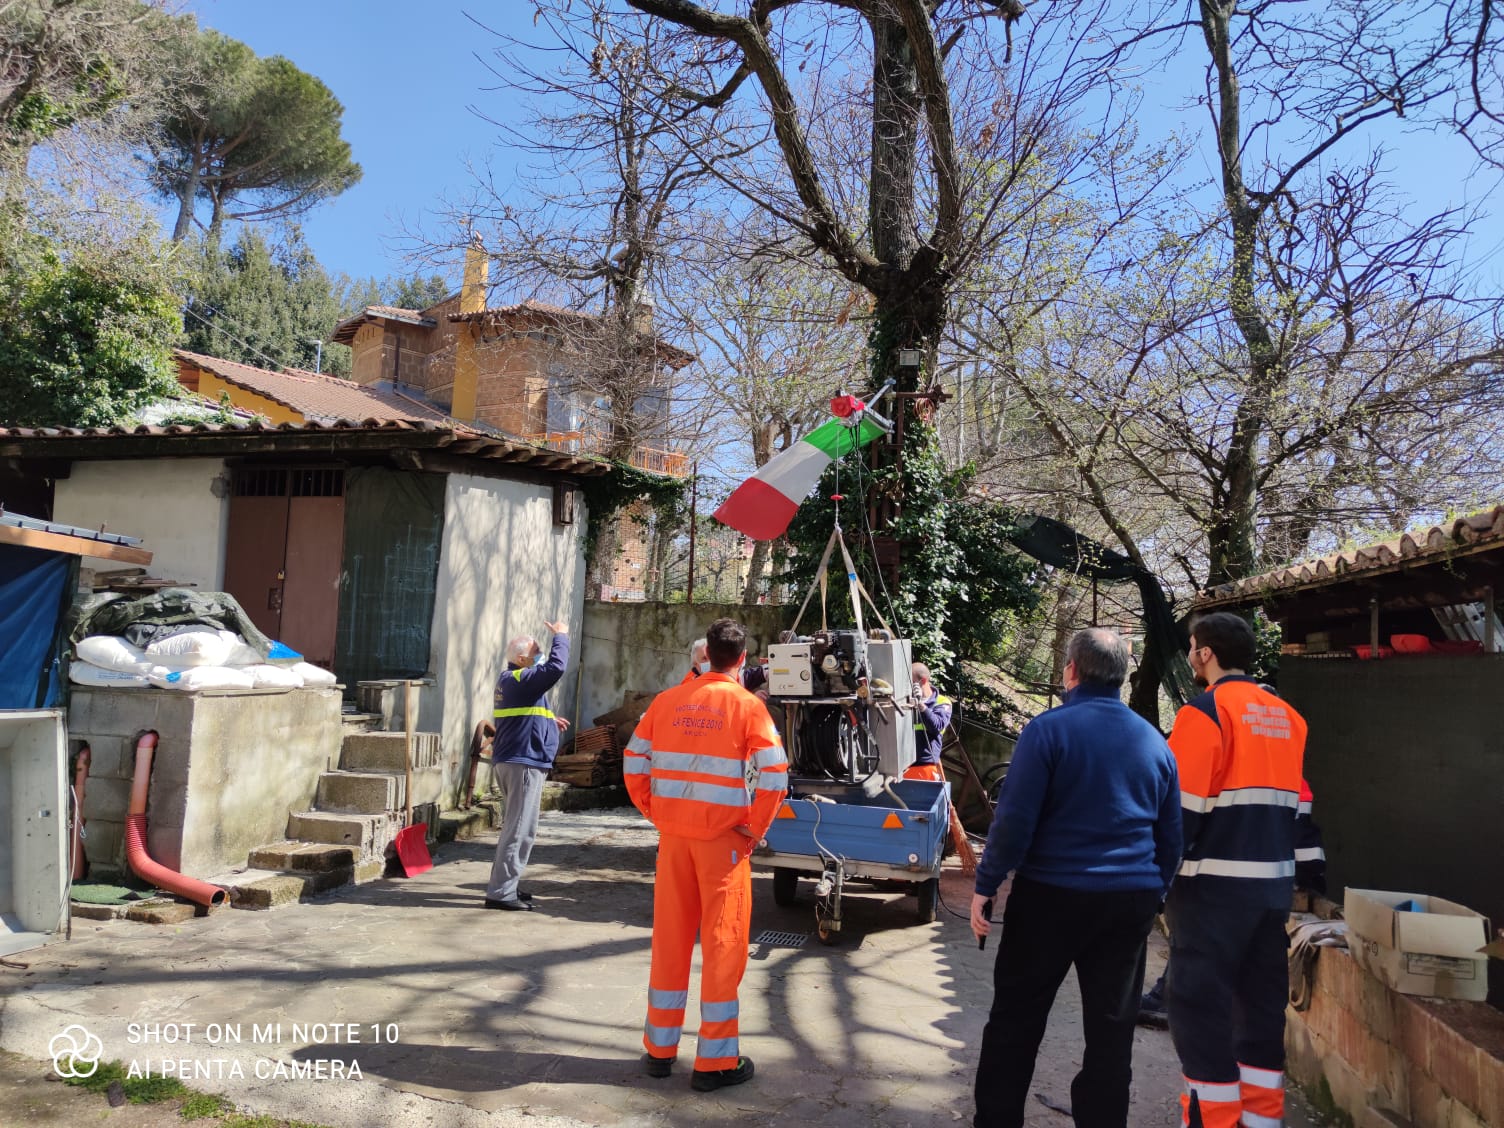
(672,463)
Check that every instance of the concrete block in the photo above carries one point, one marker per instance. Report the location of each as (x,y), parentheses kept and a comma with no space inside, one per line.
(367,835)
(301,857)
(288,888)
(459,825)
(368,869)
(109,758)
(82,911)
(564,797)
(106,799)
(104,843)
(387,751)
(1490,1087)
(160,912)
(1427,1103)
(370,793)
(1376,1003)
(1412,1032)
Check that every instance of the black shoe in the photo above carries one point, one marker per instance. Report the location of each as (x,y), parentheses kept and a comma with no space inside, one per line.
(709,1080)
(1152,1011)
(518,906)
(524,896)
(656,1066)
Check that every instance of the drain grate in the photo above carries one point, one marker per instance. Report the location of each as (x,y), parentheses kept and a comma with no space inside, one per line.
(781,939)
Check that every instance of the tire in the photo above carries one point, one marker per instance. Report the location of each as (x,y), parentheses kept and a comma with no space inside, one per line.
(927,893)
(785,882)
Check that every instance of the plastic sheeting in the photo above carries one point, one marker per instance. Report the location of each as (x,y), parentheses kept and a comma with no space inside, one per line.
(35,588)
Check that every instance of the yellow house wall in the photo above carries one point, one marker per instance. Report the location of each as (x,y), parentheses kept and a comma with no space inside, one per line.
(212,386)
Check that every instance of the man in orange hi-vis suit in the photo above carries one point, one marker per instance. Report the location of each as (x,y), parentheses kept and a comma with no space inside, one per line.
(686,769)
(1240,752)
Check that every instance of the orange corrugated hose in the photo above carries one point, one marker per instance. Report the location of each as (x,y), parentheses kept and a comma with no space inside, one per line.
(145,867)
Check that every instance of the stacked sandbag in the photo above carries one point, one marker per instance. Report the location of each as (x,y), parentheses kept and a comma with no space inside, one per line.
(191,659)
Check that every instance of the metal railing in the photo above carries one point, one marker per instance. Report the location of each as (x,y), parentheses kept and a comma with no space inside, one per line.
(653,459)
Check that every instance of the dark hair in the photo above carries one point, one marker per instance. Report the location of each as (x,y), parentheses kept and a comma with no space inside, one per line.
(1100,656)
(725,643)
(1229,637)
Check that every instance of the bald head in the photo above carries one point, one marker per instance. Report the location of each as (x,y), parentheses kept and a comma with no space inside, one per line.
(1100,657)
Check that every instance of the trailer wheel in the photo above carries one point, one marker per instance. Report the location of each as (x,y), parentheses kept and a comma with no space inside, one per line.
(928,895)
(785,882)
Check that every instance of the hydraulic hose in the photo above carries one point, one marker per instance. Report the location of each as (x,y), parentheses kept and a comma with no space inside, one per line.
(142,863)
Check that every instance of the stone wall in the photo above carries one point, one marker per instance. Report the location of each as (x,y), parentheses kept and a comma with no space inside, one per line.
(1386,1059)
(644,647)
(228,770)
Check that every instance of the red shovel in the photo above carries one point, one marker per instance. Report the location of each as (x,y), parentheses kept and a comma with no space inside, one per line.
(412,841)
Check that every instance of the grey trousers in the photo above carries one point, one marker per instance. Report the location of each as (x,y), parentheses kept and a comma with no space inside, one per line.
(521,790)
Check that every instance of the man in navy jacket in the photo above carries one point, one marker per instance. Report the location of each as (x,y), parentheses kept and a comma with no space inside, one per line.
(1088,824)
(522,754)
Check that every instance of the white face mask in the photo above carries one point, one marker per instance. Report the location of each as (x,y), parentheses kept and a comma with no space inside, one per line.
(704,667)
(538,659)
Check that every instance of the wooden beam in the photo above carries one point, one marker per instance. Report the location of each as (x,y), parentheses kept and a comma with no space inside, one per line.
(74,546)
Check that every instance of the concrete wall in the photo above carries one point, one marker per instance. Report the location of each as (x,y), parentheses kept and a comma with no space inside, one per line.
(228,770)
(504,567)
(169,503)
(644,647)
(1406,760)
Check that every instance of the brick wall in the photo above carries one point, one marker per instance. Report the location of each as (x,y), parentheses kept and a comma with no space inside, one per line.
(1384,1058)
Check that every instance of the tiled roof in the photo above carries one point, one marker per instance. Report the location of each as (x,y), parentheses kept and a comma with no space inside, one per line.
(674,356)
(1418,548)
(313,395)
(344,332)
(339,437)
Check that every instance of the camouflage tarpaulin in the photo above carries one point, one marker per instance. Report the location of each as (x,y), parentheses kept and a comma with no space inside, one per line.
(109,613)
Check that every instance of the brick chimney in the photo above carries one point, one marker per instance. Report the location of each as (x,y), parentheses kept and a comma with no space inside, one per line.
(472,300)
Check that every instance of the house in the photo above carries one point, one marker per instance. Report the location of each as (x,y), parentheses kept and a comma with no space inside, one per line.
(397,549)
(1392,654)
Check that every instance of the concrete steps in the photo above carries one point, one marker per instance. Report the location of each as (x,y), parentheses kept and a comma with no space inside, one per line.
(357,812)
(284,873)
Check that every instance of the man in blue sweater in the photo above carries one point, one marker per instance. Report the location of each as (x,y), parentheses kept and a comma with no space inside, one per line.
(522,754)
(1088,825)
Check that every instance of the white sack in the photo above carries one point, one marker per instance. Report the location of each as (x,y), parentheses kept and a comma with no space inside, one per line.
(196,678)
(196,646)
(111,652)
(314,676)
(97,677)
(273,677)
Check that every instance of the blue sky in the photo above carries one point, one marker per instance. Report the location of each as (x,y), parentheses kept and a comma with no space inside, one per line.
(408,78)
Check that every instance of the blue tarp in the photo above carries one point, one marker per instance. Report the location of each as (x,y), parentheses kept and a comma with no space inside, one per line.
(34,590)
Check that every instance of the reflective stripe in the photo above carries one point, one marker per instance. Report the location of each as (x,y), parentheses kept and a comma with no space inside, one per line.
(1304,808)
(773,781)
(529,711)
(770,757)
(717,1012)
(517,674)
(636,765)
(716,1048)
(716,793)
(1310,854)
(639,744)
(667,1000)
(1229,1092)
(1263,1078)
(721,766)
(662,1035)
(1222,867)
(1254,1120)
(1240,797)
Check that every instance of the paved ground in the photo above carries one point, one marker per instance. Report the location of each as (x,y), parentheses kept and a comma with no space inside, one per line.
(506,1018)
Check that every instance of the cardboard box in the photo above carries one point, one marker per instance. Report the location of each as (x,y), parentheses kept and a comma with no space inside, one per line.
(1434,953)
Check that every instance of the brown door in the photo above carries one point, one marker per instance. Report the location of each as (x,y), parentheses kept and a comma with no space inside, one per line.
(283,554)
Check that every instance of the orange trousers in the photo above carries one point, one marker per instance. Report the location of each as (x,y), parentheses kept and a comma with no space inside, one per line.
(705,887)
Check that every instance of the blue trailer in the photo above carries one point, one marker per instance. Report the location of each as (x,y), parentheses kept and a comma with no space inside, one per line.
(835,832)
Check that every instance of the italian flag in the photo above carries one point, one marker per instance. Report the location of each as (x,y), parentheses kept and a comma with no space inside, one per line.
(763,505)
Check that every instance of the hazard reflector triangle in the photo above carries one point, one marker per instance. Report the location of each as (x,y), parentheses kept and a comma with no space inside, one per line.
(892,821)
(786,812)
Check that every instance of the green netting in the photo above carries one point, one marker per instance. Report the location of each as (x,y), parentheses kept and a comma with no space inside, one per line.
(394,521)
